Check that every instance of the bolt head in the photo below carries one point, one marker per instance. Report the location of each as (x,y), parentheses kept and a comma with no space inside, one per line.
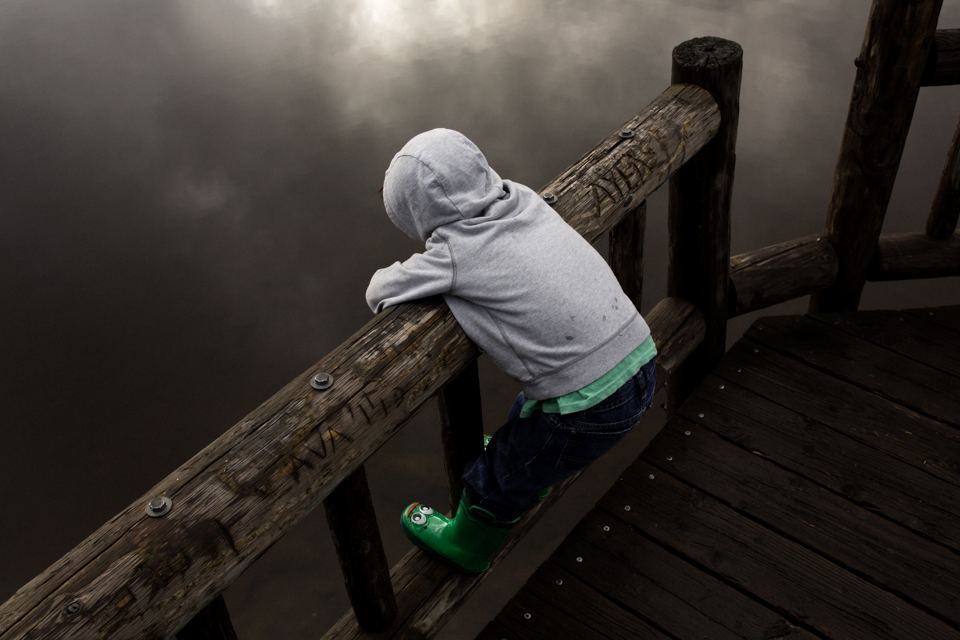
(73,608)
(321,381)
(156,504)
(549,197)
(626,134)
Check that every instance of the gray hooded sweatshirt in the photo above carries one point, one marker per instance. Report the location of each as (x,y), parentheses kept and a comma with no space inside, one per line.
(526,287)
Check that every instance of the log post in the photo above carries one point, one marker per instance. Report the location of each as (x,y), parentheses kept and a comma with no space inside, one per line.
(626,252)
(353,525)
(461,428)
(212,623)
(699,207)
(946,204)
(891,63)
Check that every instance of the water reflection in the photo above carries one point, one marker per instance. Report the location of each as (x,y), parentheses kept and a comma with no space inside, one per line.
(188,213)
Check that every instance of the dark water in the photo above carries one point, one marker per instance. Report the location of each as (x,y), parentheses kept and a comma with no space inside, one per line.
(189,217)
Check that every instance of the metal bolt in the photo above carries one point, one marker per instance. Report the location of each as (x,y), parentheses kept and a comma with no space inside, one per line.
(159,507)
(579,559)
(931,313)
(626,508)
(818,239)
(669,458)
(606,528)
(699,415)
(650,476)
(527,616)
(721,386)
(73,608)
(738,370)
(559,581)
(686,433)
(549,197)
(756,350)
(626,134)
(321,381)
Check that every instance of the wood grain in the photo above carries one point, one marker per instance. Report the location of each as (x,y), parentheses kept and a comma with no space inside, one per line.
(894,53)
(626,252)
(780,272)
(942,221)
(908,256)
(943,62)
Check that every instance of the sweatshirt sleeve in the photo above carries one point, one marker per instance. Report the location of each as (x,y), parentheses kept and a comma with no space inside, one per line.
(421,275)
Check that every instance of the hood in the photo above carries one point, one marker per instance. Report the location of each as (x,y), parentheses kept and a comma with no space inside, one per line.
(437,178)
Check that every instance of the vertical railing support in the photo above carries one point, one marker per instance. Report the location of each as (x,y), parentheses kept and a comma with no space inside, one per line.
(461,428)
(891,63)
(946,204)
(626,252)
(212,623)
(699,207)
(353,525)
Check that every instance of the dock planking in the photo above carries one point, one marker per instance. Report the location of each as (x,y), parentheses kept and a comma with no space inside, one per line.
(798,493)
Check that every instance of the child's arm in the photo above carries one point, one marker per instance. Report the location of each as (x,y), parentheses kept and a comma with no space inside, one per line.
(423,274)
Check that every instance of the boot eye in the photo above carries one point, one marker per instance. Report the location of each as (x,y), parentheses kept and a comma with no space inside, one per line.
(425,510)
(418,518)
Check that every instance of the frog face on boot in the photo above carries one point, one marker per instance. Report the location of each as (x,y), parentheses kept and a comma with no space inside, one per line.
(465,542)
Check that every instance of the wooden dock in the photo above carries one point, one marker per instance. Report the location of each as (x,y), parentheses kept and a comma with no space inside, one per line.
(807,489)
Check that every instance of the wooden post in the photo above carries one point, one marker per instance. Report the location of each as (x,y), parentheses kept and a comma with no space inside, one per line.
(946,204)
(212,623)
(626,252)
(461,428)
(699,207)
(353,524)
(891,63)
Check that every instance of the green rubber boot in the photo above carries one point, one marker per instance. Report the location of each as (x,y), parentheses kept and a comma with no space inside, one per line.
(543,493)
(465,543)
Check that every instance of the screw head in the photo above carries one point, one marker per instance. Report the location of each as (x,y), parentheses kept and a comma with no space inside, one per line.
(549,197)
(579,559)
(699,415)
(626,134)
(626,508)
(73,608)
(686,433)
(606,528)
(669,458)
(559,581)
(527,616)
(321,381)
(159,507)
(650,476)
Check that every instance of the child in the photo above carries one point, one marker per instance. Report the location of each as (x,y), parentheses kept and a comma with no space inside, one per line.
(532,293)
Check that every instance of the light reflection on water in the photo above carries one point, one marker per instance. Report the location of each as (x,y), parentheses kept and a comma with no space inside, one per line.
(188,214)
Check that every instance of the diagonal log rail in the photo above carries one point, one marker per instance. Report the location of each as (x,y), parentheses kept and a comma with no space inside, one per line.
(140,577)
(429,592)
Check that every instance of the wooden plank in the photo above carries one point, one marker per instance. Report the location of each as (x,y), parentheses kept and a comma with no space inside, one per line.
(356,537)
(571,609)
(914,569)
(901,333)
(495,631)
(909,256)
(942,221)
(892,59)
(212,623)
(240,494)
(898,378)
(626,252)
(780,272)
(698,224)
(946,317)
(672,594)
(861,474)
(461,428)
(943,62)
(783,574)
(677,328)
(926,444)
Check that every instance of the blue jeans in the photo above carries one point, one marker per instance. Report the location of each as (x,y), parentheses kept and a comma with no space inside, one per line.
(532,453)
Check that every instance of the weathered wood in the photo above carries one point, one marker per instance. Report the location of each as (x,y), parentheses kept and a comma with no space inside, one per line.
(240,494)
(353,524)
(859,473)
(899,378)
(649,580)
(626,252)
(780,272)
(946,317)
(699,206)
(212,623)
(908,256)
(942,221)
(904,333)
(943,61)
(428,592)
(461,428)
(801,585)
(926,444)
(848,535)
(570,610)
(894,52)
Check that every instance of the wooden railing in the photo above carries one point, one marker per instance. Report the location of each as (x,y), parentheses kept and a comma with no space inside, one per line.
(152,577)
